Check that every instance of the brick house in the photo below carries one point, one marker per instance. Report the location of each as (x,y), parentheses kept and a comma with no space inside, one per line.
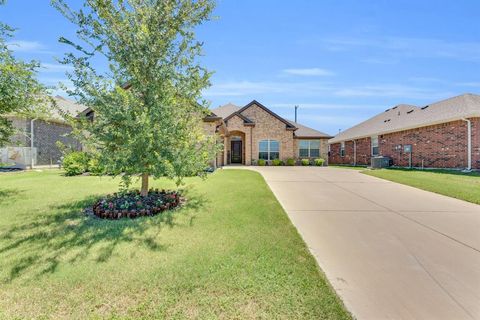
(444,134)
(254,132)
(43,134)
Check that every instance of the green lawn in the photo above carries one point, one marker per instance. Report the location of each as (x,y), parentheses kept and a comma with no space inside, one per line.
(231,253)
(465,186)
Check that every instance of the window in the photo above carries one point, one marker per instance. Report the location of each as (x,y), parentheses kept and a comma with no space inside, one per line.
(342,149)
(309,148)
(268,150)
(375,146)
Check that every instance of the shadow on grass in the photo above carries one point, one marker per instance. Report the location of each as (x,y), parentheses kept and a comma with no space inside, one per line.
(8,195)
(67,235)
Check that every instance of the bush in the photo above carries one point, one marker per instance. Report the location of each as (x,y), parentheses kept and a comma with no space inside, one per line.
(94,167)
(305,162)
(261,162)
(75,163)
(319,162)
(277,162)
(290,162)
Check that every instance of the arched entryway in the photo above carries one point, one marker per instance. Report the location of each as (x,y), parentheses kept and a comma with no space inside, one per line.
(236,147)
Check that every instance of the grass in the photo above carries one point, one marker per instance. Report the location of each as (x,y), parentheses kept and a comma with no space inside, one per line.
(464,186)
(348,167)
(230,253)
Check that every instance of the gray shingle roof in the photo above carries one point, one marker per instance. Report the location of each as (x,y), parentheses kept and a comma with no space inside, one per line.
(67,106)
(306,132)
(226,110)
(404,117)
(301,131)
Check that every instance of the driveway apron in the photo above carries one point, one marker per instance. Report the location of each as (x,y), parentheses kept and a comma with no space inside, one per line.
(390,251)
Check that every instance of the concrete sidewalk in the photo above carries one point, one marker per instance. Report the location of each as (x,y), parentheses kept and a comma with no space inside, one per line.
(389,250)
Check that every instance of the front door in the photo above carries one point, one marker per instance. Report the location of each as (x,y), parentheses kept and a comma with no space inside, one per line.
(236,152)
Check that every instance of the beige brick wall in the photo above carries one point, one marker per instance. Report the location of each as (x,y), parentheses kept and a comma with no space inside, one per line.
(323,148)
(269,127)
(236,127)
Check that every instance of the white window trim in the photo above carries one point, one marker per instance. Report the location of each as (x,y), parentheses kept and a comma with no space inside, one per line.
(310,148)
(268,148)
(371,147)
(342,149)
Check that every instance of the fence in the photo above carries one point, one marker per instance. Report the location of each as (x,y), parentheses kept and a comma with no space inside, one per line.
(19,156)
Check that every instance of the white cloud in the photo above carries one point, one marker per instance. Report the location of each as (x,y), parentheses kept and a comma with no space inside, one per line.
(249,88)
(408,47)
(391,90)
(469,84)
(27,46)
(329,119)
(53,67)
(328,106)
(381,61)
(323,90)
(308,72)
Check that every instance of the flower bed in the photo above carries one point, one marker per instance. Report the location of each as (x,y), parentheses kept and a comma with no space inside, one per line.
(132,205)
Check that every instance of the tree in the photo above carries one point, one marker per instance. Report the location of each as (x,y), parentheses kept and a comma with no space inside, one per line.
(20,92)
(148,106)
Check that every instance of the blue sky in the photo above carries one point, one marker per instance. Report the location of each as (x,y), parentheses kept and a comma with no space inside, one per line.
(340,61)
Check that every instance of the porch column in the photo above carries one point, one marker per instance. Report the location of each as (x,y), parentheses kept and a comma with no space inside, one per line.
(225,140)
(247,145)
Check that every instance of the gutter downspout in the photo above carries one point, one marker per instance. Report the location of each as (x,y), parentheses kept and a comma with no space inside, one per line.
(469,144)
(32,136)
(355,153)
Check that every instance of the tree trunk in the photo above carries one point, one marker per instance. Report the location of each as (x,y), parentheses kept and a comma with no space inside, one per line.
(144,190)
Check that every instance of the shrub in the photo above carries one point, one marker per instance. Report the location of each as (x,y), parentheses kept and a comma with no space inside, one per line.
(277,162)
(94,167)
(319,162)
(305,162)
(290,162)
(75,163)
(261,162)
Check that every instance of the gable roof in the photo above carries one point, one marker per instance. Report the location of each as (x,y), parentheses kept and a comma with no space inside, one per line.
(307,132)
(261,106)
(226,110)
(66,106)
(230,110)
(241,116)
(405,117)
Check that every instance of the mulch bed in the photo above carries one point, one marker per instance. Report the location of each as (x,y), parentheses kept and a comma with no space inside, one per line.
(132,205)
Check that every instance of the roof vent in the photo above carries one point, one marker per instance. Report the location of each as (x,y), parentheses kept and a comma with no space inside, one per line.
(388,120)
(408,112)
(423,108)
(394,107)
(387,110)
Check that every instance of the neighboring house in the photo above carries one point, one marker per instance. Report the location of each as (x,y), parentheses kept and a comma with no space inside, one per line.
(444,134)
(46,132)
(254,132)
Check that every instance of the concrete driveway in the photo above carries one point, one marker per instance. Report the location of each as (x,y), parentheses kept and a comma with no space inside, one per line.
(389,250)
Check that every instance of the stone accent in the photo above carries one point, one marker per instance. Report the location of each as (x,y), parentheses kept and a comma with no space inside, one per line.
(438,146)
(236,127)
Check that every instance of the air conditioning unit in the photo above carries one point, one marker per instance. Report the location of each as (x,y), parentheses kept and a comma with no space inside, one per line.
(381,162)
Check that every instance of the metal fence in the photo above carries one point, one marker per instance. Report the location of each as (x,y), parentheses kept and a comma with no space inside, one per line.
(19,156)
